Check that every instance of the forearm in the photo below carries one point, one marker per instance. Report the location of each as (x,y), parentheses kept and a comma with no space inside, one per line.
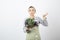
(45,23)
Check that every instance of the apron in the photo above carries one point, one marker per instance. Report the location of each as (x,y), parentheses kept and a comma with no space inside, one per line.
(34,34)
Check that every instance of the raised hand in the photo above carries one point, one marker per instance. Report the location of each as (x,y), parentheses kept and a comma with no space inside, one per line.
(44,16)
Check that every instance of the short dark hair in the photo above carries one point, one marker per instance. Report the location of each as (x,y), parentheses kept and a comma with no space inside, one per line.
(32,7)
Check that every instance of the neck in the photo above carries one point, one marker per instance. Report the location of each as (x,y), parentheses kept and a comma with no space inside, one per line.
(32,17)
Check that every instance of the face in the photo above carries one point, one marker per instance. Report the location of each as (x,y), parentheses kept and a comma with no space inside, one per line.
(31,11)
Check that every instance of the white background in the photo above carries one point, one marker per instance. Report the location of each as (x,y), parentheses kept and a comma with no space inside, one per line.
(14,12)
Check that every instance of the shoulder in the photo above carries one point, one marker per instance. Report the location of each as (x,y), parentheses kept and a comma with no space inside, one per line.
(26,19)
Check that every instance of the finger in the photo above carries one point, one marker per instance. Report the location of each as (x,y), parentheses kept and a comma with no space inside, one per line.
(46,13)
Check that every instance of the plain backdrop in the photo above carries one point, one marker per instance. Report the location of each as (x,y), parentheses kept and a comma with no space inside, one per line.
(14,12)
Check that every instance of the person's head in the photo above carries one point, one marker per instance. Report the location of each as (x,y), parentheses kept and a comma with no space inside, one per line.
(31,10)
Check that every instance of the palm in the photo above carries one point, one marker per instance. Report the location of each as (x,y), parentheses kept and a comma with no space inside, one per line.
(44,16)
